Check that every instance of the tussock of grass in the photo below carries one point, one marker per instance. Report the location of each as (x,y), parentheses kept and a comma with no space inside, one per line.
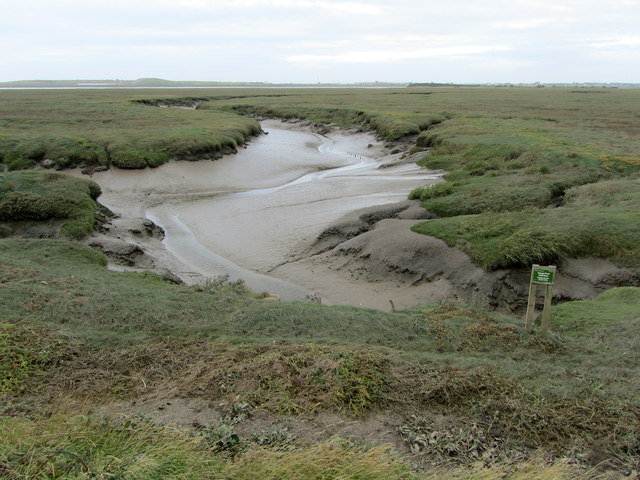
(432,191)
(326,460)
(528,246)
(39,196)
(81,448)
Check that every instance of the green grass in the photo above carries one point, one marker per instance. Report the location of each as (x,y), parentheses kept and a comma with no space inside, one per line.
(162,309)
(510,166)
(73,329)
(25,353)
(606,310)
(39,196)
(507,150)
(432,191)
(596,227)
(81,447)
(534,175)
(66,129)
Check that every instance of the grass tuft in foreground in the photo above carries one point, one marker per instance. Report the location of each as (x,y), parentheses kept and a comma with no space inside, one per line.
(79,447)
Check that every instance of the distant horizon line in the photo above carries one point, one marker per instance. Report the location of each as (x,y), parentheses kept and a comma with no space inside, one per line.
(160,82)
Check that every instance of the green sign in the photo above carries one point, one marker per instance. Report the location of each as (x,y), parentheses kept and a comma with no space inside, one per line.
(543,275)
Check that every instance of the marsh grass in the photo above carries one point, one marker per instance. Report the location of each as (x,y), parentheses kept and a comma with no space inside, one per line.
(79,447)
(604,311)
(533,174)
(95,307)
(432,191)
(66,447)
(507,150)
(499,240)
(42,196)
(66,129)
(73,329)
(27,352)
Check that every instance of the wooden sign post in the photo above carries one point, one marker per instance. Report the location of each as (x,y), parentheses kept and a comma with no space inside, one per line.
(540,276)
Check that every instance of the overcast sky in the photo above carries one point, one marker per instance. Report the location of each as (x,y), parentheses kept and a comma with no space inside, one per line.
(309,41)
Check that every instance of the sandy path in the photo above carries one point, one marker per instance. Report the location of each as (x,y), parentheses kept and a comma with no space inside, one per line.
(252,213)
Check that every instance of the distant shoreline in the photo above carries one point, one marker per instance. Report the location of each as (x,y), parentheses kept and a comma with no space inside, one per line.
(162,83)
(197,87)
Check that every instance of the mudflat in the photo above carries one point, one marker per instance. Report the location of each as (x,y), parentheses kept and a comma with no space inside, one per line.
(307,216)
(252,214)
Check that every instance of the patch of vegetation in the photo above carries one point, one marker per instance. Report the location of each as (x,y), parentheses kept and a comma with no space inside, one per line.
(127,157)
(502,240)
(40,196)
(214,310)
(432,191)
(26,354)
(513,161)
(450,440)
(135,334)
(222,439)
(60,129)
(80,447)
(606,310)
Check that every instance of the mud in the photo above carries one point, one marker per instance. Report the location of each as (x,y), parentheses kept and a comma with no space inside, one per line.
(304,215)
